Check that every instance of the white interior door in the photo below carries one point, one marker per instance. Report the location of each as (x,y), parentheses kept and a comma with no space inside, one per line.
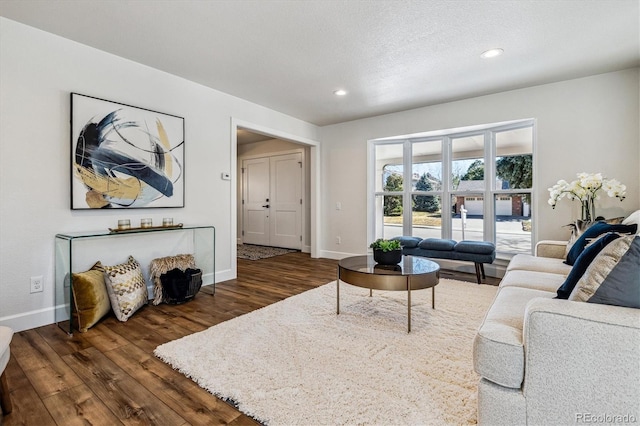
(255,210)
(272,201)
(286,201)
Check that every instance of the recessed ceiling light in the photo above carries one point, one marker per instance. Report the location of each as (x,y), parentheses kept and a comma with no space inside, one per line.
(492,53)
(340,92)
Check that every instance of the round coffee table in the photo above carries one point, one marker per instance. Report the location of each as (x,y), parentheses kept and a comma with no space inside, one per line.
(412,273)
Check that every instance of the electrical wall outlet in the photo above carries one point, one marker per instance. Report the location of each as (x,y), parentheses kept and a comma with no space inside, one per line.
(338,240)
(37,284)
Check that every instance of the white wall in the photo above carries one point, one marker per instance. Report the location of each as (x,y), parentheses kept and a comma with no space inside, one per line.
(38,70)
(589,124)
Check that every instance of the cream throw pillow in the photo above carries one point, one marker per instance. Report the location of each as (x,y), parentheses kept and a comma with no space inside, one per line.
(126,287)
(633,218)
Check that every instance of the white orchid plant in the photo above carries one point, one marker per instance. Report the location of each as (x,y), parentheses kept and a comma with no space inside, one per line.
(585,189)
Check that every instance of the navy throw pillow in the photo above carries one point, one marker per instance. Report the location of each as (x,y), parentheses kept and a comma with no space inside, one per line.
(621,287)
(582,263)
(594,231)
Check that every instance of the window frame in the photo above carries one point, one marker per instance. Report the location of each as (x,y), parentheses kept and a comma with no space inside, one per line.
(446,193)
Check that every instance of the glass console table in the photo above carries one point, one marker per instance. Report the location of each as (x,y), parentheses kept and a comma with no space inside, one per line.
(143,244)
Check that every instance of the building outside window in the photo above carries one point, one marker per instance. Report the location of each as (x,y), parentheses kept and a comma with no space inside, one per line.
(472,184)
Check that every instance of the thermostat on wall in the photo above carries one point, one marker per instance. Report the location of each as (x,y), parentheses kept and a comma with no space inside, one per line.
(225,176)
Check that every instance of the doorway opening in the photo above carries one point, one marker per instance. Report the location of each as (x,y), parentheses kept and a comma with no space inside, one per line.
(275,192)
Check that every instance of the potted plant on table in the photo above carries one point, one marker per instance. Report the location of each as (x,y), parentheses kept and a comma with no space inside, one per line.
(386,252)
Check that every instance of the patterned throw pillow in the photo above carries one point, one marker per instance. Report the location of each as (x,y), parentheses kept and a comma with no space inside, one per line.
(126,287)
(613,278)
(90,298)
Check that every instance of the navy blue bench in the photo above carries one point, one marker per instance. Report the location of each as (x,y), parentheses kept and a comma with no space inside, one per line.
(478,252)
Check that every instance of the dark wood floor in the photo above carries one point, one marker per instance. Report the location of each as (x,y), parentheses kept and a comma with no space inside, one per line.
(109,375)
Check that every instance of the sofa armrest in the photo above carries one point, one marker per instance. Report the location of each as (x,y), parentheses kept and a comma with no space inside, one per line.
(551,248)
(581,359)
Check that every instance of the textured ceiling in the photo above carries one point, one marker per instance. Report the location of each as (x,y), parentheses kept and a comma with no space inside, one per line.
(389,55)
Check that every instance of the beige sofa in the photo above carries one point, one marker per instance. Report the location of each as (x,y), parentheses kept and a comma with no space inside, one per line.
(546,361)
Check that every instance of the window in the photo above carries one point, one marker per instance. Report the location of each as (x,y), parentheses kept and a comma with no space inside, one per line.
(472,184)
(426,188)
(513,189)
(389,190)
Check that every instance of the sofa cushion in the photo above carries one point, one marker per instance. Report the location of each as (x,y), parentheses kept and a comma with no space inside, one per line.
(449,254)
(6,334)
(594,231)
(498,351)
(437,244)
(475,247)
(527,262)
(582,263)
(408,242)
(612,278)
(546,281)
(498,405)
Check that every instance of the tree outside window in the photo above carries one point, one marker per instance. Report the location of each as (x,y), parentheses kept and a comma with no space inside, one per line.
(425,203)
(393,203)
(518,171)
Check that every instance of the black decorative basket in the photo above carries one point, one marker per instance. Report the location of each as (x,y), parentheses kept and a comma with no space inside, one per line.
(195,282)
(180,286)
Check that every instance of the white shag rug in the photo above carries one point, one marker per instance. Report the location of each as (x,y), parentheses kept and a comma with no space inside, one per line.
(296,362)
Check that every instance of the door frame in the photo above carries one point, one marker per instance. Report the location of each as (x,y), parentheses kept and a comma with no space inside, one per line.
(303,219)
(314,176)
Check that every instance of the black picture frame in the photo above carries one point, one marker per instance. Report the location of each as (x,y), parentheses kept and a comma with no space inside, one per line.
(125,157)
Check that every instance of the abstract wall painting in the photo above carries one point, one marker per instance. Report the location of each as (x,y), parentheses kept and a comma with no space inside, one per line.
(124,157)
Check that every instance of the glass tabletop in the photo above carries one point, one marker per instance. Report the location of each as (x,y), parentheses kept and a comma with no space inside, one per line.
(109,232)
(410,265)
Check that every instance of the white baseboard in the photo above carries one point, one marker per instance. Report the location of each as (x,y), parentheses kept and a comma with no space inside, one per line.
(225,275)
(29,320)
(336,255)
